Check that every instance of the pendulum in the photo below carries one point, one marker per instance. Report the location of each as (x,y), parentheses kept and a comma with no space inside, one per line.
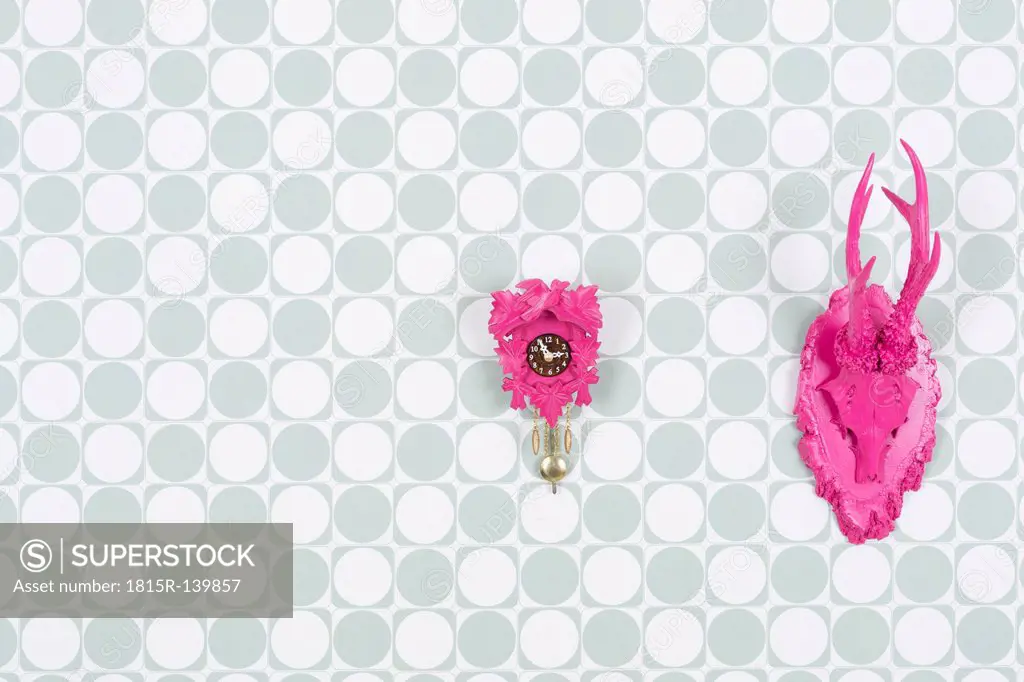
(547,347)
(554,467)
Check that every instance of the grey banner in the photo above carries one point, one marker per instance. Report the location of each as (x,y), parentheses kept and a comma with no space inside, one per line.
(95,570)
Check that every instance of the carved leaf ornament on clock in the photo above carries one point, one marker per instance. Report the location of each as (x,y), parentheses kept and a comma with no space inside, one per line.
(547,347)
(868,392)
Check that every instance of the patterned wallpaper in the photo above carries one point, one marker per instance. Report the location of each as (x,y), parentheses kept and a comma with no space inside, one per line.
(245,253)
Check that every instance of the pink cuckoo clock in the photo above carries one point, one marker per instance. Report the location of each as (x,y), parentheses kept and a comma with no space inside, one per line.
(547,346)
(867,392)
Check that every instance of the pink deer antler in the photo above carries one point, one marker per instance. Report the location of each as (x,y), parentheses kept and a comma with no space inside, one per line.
(898,349)
(860,336)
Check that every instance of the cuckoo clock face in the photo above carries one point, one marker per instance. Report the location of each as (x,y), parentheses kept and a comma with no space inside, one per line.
(548,355)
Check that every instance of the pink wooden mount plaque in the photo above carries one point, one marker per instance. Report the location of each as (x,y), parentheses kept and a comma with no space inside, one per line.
(867,392)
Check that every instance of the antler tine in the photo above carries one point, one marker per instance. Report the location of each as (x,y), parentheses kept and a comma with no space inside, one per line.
(855,331)
(859,206)
(922,265)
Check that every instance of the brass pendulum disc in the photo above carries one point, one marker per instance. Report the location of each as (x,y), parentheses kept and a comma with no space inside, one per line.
(553,469)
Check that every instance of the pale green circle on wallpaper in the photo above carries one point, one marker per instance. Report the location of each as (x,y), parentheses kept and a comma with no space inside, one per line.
(489,21)
(611,513)
(800,75)
(101,632)
(790,319)
(483,514)
(52,204)
(116,22)
(236,642)
(986,138)
(737,512)
(552,77)
(238,390)
(302,202)
(425,452)
(176,203)
(239,140)
(113,265)
(551,201)
(362,514)
(741,21)
(363,264)
(427,77)
(425,577)
(239,265)
(51,329)
(799,574)
(113,391)
(177,330)
(302,78)
(112,505)
(365,21)
(301,327)
(676,77)
(613,262)
(426,202)
(487,639)
(237,504)
(675,325)
(925,76)
(991,24)
(613,140)
(861,636)
(800,200)
(53,80)
(863,21)
(611,638)
(362,638)
(9,14)
(675,450)
(175,453)
(676,201)
(56,456)
(178,78)
(859,134)
(489,139)
(114,140)
(675,575)
(550,576)
(738,137)
(736,637)
(364,139)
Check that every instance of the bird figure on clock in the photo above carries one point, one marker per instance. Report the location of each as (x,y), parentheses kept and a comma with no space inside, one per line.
(547,347)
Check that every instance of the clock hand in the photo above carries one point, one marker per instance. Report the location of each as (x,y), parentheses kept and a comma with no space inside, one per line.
(544,349)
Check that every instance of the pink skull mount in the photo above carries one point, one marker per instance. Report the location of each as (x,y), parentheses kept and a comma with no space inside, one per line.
(547,346)
(867,393)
